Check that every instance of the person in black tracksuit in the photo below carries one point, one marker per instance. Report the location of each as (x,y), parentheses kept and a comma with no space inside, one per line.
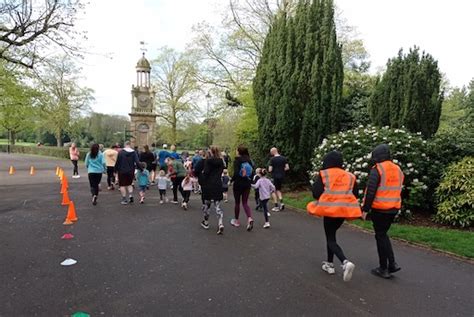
(381,219)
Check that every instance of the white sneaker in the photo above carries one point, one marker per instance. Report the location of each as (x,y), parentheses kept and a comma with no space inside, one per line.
(235,222)
(266,225)
(161,202)
(348,268)
(276,209)
(328,267)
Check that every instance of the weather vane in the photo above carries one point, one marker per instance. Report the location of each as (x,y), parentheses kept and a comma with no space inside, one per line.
(143,47)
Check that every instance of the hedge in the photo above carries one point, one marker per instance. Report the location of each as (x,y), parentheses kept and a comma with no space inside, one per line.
(43,151)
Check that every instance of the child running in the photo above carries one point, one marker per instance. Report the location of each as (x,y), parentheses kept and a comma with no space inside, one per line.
(187,185)
(163,183)
(143,179)
(225,185)
(265,189)
(256,177)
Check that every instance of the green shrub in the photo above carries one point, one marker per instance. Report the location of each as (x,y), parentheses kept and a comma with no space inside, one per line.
(408,151)
(455,195)
(43,151)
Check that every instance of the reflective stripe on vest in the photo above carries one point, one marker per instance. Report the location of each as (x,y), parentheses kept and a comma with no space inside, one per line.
(338,199)
(388,195)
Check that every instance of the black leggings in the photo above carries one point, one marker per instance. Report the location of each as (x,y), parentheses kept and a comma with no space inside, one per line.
(94,181)
(110,176)
(264,205)
(330,227)
(382,223)
(177,185)
(186,195)
(75,170)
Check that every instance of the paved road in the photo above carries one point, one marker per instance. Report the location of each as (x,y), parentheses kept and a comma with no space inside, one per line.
(152,260)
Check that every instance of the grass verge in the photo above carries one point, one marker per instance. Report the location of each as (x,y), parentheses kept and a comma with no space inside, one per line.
(458,242)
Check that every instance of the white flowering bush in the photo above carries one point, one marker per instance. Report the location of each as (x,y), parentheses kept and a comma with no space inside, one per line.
(408,150)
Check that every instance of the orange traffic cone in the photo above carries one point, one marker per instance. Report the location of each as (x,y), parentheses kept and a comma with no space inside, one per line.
(32,170)
(66,200)
(64,186)
(71,214)
(11,171)
(61,174)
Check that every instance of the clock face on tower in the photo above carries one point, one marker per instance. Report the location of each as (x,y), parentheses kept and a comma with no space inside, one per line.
(143,101)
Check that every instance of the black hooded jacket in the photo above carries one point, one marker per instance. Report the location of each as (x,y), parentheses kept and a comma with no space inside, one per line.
(211,179)
(380,154)
(330,160)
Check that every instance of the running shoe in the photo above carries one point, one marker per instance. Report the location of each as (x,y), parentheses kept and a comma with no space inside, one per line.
(282,206)
(276,208)
(221,229)
(175,202)
(383,273)
(328,267)
(235,222)
(130,199)
(205,224)
(124,201)
(185,206)
(161,202)
(94,200)
(394,268)
(348,268)
(250,224)
(266,225)
(142,200)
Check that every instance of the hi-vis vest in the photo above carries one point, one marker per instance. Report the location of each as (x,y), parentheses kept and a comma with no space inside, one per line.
(388,195)
(337,200)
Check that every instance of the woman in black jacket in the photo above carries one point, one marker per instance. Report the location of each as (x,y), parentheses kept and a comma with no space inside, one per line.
(241,187)
(211,184)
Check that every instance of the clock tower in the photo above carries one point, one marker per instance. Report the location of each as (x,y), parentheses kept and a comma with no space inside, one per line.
(143,116)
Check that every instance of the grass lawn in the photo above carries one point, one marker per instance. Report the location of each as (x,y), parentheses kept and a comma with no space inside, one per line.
(5,141)
(460,242)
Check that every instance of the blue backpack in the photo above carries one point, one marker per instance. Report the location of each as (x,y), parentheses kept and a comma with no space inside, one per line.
(246,170)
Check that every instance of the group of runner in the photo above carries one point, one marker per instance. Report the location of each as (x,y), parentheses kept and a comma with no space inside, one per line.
(334,189)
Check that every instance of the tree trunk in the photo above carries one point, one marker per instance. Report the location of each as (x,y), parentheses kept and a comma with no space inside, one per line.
(59,141)
(12,137)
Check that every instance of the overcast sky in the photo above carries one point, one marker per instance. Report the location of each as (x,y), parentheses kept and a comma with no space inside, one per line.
(116,27)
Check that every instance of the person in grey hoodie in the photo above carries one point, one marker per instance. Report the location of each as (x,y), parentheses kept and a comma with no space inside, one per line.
(127,162)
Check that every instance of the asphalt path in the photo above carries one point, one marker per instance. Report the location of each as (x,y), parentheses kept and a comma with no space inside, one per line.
(156,260)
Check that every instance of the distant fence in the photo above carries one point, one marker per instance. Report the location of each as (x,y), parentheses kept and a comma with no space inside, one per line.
(62,152)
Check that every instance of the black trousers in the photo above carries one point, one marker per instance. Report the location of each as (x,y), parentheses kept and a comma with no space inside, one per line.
(75,170)
(110,175)
(330,227)
(177,185)
(382,223)
(94,181)
(186,195)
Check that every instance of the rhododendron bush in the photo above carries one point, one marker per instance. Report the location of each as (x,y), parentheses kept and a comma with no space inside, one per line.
(408,150)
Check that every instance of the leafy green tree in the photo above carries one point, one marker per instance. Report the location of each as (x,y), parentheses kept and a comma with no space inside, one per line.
(177,88)
(409,94)
(16,103)
(298,84)
(62,98)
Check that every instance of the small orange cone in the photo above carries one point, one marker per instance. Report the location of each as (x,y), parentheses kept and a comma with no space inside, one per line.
(57,170)
(32,170)
(61,174)
(64,186)
(66,199)
(12,170)
(71,214)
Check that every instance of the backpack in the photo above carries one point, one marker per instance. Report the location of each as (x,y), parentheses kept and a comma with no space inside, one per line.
(246,170)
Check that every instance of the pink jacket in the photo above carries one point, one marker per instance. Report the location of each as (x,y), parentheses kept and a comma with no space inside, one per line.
(74,154)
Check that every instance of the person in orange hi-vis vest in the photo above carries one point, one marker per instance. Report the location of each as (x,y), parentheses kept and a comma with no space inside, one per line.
(335,192)
(383,200)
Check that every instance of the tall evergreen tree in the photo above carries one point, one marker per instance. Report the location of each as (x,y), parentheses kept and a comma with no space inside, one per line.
(409,94)
(298,84)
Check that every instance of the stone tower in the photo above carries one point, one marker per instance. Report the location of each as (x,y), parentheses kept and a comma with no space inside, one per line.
(143,116)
